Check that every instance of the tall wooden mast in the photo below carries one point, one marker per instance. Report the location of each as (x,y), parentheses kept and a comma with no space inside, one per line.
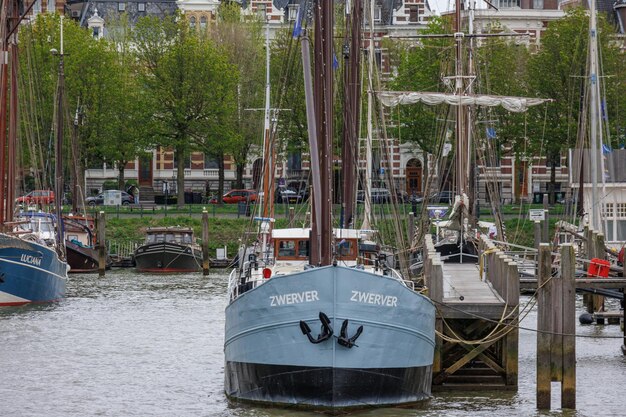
(324,115)
(352,98)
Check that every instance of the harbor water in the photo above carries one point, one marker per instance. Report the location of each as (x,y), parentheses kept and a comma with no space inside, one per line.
(152,345)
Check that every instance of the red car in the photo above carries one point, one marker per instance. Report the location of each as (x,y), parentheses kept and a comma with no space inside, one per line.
(37,197)
(236,196)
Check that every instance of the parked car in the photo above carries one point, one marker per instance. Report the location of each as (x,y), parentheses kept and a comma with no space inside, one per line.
(290,195)
(378,195)
(236,196)
(37,197)
(99,199)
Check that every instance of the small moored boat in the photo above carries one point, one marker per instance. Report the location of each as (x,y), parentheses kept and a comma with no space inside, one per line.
(169,249)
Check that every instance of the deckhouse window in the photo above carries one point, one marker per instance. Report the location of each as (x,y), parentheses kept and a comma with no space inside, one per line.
(303,248)
(287,248)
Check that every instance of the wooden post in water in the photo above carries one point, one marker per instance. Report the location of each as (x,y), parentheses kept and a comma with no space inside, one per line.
(102,248)
(589,253)
(568,278)
(599,251)
(556,326)
(544,327)
(537,233)
(624,318)
(205,242)
(512,338)
(537,230)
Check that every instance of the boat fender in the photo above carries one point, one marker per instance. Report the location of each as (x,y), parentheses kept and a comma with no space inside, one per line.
(343,338)
(585,318)
(327,330)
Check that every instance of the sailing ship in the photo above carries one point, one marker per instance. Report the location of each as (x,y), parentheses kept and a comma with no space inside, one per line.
(597,171)
(169,249)
(32,250)
(376,339)
(458,235)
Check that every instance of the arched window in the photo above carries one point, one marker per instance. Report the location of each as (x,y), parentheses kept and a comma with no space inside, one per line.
(203,21)
(192,22)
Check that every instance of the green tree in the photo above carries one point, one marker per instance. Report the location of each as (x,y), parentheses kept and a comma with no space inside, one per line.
(559,71)
(88,78)
(188,83)
(126,133)
(243,43)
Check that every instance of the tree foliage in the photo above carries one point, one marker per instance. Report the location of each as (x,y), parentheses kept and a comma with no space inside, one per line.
(190,85)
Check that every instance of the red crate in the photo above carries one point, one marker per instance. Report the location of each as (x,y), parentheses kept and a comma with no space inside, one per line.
(598,268)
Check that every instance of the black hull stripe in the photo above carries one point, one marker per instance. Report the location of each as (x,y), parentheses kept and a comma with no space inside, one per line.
(332,388)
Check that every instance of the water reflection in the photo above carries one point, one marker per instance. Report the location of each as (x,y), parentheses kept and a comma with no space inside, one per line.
(135,344)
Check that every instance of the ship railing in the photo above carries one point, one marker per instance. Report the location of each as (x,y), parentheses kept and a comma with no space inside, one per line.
(234,279)
(122,248)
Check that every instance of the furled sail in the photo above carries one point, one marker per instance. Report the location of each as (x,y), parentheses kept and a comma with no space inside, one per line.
(512,104)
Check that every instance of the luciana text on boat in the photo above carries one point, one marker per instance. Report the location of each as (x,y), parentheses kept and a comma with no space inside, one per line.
(311,321)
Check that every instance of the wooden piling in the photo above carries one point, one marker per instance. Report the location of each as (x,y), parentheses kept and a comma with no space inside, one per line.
(205,242)
(537,233)
(599,252)
(512,338)
(568,278)
(544,327)
(102,248)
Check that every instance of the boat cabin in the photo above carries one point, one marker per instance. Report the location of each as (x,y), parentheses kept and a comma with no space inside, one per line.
(178,235)
(293,244)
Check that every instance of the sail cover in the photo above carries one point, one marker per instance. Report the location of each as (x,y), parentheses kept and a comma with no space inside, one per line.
(512,104)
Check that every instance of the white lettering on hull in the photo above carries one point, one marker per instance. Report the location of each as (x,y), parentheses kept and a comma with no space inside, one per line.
(30,259)
(373,298)
(293,298)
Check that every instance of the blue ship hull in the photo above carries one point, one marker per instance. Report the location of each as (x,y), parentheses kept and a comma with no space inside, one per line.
(270,359)
(29,272)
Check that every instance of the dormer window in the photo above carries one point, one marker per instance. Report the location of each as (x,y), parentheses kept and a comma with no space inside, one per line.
(261,11)
(121,7)
(378,13)
(141,7)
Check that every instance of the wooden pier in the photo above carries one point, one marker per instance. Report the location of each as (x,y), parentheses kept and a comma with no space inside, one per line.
(476,324)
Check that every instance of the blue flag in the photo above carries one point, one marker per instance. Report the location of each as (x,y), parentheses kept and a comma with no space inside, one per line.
(491,133)
(297,27)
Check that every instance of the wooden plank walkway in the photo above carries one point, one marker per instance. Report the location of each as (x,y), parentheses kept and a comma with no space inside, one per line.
(464,291)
